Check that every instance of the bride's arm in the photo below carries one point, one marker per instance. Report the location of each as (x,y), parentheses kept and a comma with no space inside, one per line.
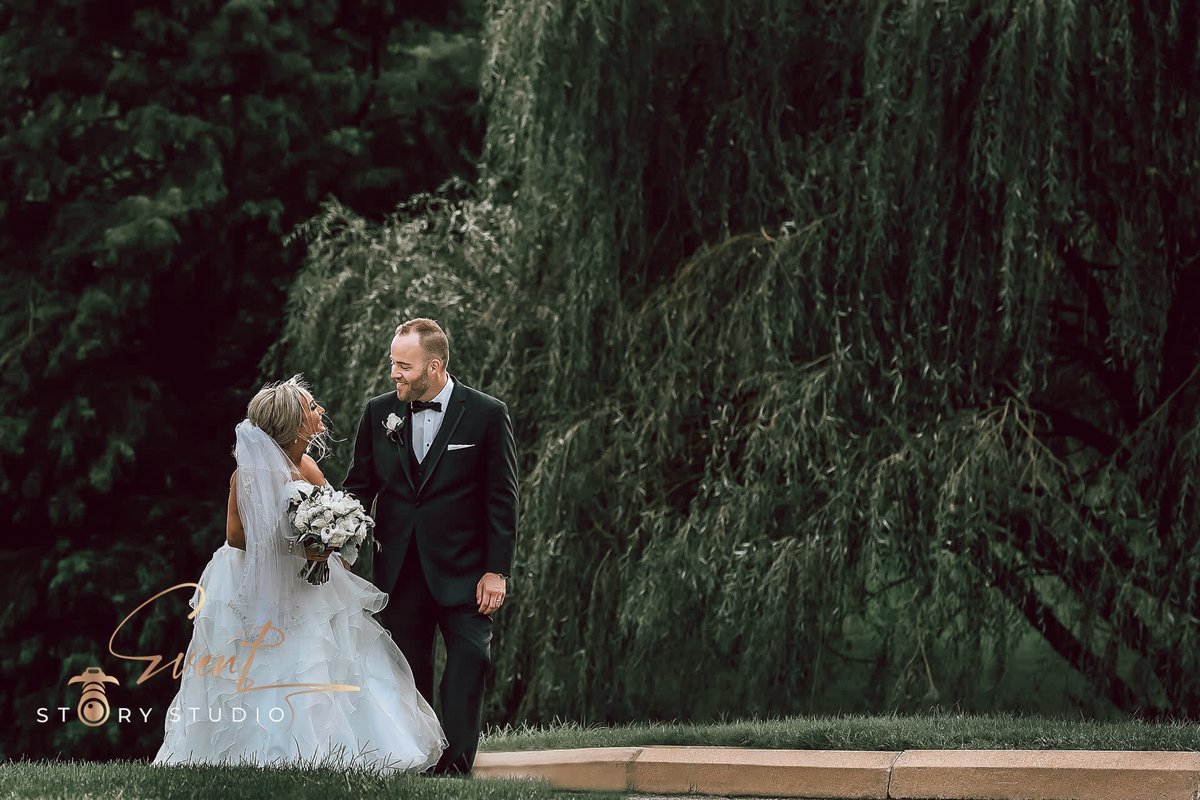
(235,534)
(310,471)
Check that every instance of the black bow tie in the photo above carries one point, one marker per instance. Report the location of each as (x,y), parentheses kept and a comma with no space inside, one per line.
(422,405)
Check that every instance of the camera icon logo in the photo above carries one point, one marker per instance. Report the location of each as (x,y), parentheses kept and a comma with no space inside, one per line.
(93,709)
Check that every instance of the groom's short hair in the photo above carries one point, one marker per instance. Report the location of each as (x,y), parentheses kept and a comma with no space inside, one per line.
(433,339)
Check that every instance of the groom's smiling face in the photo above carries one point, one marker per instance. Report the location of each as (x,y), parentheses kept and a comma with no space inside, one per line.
(411,368)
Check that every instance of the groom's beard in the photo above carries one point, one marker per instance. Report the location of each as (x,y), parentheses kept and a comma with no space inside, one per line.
(413,391)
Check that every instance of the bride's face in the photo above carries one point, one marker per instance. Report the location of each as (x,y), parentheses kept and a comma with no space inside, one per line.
(312,423)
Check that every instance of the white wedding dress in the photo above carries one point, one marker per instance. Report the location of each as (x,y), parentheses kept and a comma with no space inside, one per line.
(269,706)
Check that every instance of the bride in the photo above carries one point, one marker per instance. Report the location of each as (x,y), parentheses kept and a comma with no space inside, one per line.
(281,671)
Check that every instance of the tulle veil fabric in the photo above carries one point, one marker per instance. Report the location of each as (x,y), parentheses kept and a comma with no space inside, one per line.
(266,591)
(320,636)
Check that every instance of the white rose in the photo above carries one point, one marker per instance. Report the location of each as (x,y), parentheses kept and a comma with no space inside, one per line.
(298,491)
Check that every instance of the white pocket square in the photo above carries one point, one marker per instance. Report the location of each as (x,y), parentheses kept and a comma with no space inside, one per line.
(458,446)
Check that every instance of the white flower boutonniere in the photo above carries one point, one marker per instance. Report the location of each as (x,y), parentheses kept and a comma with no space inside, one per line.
(394,425)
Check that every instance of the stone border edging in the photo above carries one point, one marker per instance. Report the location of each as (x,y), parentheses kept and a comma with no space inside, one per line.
(867,775)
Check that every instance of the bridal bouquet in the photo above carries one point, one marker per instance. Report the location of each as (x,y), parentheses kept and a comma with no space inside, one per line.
(333,522)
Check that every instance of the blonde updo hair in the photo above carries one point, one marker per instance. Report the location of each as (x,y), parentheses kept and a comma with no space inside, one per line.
(279,409)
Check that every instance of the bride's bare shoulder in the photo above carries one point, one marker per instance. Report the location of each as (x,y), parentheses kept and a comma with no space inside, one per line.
(311,472)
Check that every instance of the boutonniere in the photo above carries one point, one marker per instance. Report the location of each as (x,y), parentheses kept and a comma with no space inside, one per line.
(394,425)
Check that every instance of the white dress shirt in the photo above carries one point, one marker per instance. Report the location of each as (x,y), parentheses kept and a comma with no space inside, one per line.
(427,423)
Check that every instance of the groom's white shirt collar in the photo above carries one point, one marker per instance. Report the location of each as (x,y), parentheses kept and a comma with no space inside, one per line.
(443,396)
(428,422)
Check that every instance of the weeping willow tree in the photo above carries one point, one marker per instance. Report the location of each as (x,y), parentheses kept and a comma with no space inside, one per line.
(841,339)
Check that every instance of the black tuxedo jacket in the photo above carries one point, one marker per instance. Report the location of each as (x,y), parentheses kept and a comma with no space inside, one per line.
(462,509)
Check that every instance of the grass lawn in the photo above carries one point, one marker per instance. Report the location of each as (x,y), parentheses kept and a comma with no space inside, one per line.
(73,780)
(929,732)
(60,780)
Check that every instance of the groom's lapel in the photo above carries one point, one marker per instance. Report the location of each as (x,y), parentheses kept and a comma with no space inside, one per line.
(402,448)
(454,412)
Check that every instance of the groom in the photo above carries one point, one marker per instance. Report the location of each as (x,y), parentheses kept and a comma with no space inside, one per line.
(439,461)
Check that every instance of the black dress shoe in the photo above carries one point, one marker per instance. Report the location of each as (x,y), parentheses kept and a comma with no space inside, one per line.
(454,769)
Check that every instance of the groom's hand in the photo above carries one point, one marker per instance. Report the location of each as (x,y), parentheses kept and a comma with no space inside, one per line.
(489,592)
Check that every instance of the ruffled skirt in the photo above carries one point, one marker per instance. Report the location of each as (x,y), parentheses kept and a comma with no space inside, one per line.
(293,702)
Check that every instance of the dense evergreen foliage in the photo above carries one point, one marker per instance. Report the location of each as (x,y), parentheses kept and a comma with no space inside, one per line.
(848,346)
(154,157)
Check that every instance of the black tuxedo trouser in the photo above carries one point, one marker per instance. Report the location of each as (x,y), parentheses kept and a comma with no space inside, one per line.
(411,616)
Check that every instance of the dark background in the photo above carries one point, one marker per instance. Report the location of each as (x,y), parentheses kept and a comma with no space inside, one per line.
(153,157)
(853,351)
